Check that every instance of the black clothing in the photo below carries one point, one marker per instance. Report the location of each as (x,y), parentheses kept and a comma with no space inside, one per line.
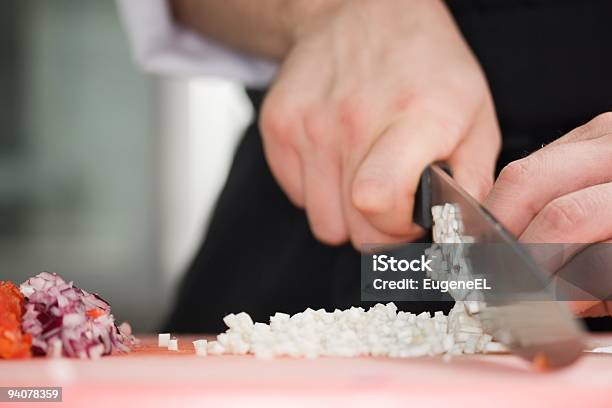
(549,65)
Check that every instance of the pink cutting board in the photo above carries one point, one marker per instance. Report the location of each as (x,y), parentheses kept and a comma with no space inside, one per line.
(153,377)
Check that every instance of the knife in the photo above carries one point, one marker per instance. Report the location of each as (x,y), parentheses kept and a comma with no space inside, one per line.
(533,325)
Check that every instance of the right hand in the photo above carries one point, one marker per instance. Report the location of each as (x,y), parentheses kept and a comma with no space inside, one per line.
(369,94)
(562,193)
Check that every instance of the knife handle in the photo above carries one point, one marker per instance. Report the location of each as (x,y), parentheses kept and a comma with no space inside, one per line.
(421,214)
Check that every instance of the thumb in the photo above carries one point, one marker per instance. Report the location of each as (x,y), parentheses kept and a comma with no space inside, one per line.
(385,182)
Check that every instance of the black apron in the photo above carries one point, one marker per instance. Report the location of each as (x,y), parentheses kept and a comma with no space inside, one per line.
(549,65)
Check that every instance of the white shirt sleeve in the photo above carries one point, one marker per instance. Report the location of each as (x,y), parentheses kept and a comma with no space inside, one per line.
(162,47)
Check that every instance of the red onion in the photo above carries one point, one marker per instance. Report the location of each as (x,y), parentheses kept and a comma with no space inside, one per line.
(58,314)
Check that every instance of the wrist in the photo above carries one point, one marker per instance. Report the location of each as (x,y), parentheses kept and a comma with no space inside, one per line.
(298,15)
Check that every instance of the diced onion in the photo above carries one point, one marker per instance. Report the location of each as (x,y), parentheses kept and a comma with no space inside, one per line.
(57,312)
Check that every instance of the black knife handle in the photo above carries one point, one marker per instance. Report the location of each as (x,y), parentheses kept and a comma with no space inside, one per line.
(421,214)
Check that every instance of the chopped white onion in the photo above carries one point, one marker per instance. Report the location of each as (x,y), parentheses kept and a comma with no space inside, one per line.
(162,339)
(200,347)
(215,348)
(380,331)
(173,345)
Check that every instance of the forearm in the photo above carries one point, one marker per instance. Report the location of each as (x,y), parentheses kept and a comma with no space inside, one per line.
(261,27)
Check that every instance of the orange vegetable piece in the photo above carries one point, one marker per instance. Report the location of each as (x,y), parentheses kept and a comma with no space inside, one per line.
(540,362)
(95,313)
(13,343)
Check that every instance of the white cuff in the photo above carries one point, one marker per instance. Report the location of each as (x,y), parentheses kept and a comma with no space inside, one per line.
(159,46)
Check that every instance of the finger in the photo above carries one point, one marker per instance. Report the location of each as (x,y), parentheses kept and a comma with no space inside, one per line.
(385,182)
(286,167)
(599,126)
(578,217)
(473,161)
(282,125)
(356,122)
(322,180)
(323,200)
(586,279)
(361,231)
(525,186)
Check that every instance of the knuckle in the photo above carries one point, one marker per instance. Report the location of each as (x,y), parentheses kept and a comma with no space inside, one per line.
(602,121)
(600,124)
(517,172)
(279,117)
(516,177)
(349,109)
(371,195)
(563,214)
(353,119)
(403,100)
(469,87)
(314,125)
(450,116)
(483,181)
(272,123)
(452,124)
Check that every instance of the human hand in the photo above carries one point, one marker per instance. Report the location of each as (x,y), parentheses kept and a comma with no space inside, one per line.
(561,194)
(369,94)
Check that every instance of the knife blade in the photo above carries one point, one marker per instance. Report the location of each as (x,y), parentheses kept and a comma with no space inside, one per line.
(533,325)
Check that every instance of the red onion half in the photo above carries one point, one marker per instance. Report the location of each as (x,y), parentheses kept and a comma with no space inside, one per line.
(65,320)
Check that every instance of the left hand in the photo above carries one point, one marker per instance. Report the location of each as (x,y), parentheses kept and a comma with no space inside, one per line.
(562,193)
(357,112)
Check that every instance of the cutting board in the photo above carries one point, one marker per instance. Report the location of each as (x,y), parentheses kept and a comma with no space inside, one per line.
(154,377)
